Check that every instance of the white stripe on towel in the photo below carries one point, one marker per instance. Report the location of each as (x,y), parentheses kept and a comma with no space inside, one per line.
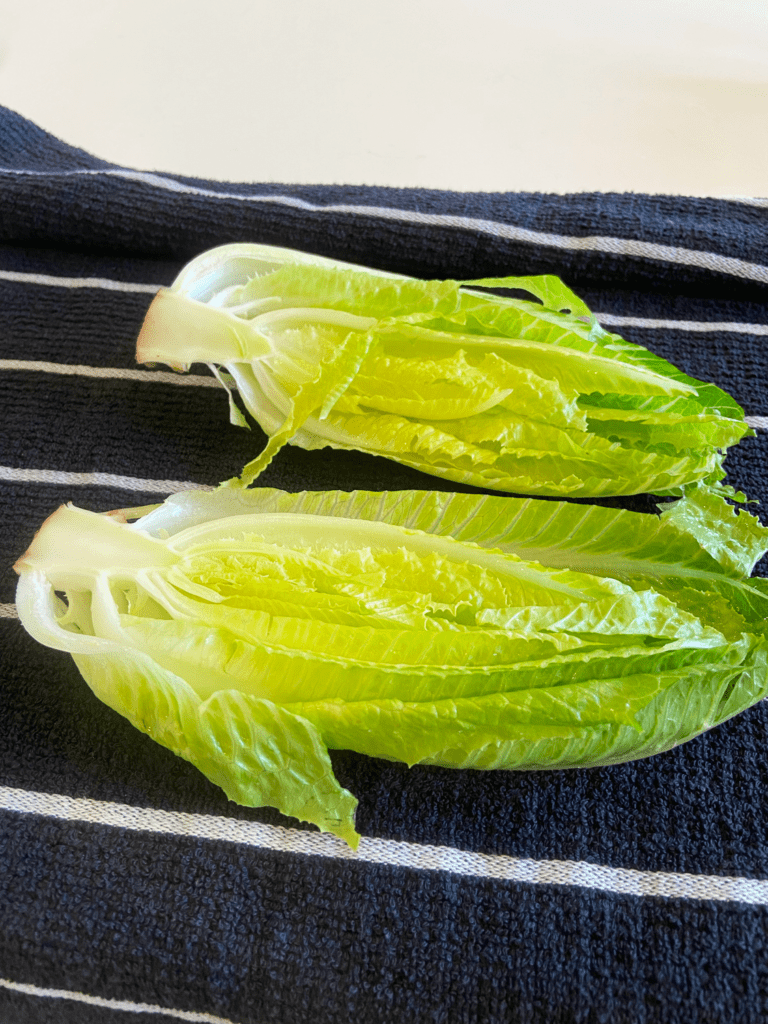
(52,281)
(420,857)
(497,229)
(110,372)
(746,200)
(112,1004)
(711,326)
(10,474)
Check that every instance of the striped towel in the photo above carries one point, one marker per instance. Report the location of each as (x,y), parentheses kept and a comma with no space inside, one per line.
(130,889)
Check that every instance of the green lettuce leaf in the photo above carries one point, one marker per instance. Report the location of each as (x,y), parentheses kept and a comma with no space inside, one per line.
(250,631)
(258,752)
(523,395)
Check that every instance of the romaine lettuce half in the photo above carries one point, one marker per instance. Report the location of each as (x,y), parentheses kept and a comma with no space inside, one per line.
(249,631)
(528,397)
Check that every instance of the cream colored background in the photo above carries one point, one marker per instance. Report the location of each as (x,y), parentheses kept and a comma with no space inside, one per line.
(659,96)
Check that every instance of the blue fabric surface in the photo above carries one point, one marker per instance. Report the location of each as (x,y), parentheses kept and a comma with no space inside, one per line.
(103,921)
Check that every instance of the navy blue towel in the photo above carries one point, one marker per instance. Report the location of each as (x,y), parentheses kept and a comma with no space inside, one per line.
(131,890)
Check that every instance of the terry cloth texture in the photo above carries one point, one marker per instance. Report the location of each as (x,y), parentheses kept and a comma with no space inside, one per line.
(130,889)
